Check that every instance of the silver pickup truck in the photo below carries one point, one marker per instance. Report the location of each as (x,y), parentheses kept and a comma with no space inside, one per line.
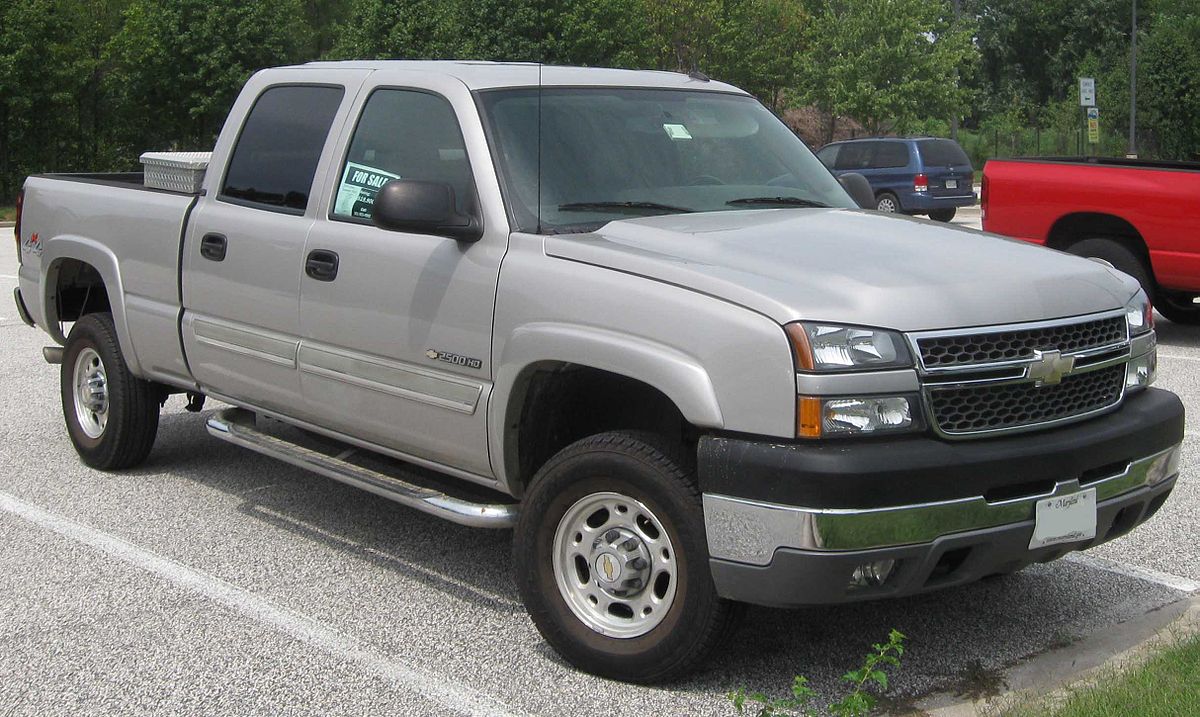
(627,314)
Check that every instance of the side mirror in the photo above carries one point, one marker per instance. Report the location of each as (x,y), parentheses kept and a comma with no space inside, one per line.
(858,188)
(413,205)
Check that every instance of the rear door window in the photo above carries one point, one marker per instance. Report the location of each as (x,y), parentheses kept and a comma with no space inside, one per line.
(403,134)
(855,155)
(942,153)
(889,155)
(276,155)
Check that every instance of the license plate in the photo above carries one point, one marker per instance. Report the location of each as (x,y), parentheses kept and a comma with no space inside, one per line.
(1065,519)
(951,184)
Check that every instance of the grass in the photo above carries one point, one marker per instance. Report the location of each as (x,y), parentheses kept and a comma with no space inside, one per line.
(1168,684)
(7,214)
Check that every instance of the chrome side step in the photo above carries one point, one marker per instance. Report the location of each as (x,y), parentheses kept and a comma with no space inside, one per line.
(237,426)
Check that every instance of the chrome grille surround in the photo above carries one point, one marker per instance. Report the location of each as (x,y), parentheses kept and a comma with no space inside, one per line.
(994,389)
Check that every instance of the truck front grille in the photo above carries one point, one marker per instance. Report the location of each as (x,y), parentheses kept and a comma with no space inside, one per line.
(992,346)
(995,407)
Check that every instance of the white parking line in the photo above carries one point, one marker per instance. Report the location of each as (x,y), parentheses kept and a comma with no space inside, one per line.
(7,276)
(1177,356)
(1175,582)
(451,694)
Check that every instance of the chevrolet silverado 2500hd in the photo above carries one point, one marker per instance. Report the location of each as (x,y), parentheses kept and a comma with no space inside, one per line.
(627,314)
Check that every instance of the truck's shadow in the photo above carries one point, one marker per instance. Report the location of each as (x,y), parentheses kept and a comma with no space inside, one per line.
(951,634)
(1171,333)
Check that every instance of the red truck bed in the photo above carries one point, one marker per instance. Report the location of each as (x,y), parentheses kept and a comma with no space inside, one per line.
(1139,215)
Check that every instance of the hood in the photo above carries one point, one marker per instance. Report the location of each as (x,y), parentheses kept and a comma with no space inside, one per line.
(852,266)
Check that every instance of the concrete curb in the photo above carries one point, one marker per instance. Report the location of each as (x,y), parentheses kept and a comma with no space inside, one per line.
(1050,678)
(7,225)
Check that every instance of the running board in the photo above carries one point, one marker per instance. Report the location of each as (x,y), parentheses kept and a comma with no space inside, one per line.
(237,426)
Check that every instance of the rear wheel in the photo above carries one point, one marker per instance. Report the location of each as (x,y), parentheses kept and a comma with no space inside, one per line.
(1180,308)
(1120,256)
(612,562)
(111,415)
(942,215)
(887,202)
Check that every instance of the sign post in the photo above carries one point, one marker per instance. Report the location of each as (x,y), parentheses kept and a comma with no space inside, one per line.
(1087,100)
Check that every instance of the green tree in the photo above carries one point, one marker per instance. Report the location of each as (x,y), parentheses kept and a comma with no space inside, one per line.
(887,63)
(179,64)
(1169,79)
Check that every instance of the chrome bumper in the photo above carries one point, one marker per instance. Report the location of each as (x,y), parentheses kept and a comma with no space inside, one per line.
(748,531)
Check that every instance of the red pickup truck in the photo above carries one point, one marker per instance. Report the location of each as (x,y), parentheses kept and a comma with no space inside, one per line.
(1140,216)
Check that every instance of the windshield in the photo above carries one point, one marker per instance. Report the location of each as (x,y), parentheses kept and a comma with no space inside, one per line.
(609,153)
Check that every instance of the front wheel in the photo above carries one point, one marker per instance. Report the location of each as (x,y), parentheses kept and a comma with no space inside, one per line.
(111,415)
(612,562)
(942,215)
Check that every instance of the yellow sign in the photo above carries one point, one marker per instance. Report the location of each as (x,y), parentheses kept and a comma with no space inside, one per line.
(1093,124)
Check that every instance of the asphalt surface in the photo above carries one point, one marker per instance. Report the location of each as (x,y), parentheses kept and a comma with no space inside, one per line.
(214,581)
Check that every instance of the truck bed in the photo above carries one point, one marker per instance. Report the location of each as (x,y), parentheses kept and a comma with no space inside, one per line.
(132,235)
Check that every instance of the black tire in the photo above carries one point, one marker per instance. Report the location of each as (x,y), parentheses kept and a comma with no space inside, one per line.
(1120,256)
(943,215)
(651,472)
(887,202)
(1178,308)
(131,414)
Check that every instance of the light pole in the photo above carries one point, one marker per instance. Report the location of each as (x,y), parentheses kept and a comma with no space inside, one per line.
(1132,154)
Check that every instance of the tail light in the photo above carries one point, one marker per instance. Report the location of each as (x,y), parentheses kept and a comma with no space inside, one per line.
(17,225)
(921,183)
(983,198)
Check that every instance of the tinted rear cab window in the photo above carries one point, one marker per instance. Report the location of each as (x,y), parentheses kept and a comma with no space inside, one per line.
(275,159)
(942,153)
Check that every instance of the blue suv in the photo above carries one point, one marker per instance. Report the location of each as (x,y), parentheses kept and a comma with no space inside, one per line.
(921,175)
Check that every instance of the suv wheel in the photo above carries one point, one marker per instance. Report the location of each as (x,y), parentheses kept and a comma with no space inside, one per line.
(111,415)
(887,202)
(611,559)
(942,215)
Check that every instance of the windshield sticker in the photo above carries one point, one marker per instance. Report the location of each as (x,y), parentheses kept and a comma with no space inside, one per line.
(356,193)
(677,131)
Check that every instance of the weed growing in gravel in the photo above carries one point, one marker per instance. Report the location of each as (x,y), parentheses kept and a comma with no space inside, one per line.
(859,701)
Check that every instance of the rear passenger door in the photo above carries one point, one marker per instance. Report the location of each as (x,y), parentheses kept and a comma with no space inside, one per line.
(396,347)
(245,239)
(891,169)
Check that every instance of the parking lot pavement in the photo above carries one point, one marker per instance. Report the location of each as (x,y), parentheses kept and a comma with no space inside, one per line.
(213,580)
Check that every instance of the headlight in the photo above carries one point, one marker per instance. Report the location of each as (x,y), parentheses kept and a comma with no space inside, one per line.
(821,417)
(1139,314)
(828,347)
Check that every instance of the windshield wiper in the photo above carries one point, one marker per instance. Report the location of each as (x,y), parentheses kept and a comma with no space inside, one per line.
(779,201)
(601,206)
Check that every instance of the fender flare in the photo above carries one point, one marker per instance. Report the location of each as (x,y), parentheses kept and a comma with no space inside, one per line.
(680,377)
(104,261)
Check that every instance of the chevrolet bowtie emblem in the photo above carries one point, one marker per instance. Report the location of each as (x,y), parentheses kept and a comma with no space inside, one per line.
(1049,367)
(608,567)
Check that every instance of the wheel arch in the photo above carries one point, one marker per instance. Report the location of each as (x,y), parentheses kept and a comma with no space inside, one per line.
(82,276)
(1077,226)
(621,382)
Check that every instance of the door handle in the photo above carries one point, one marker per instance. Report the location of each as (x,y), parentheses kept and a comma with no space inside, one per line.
(212,247)
(321,265)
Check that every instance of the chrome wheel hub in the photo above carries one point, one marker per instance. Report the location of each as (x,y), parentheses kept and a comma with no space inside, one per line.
(91,393)
(614,565)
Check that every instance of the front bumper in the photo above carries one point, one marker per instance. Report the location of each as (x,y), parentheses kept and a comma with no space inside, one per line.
(789,524)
